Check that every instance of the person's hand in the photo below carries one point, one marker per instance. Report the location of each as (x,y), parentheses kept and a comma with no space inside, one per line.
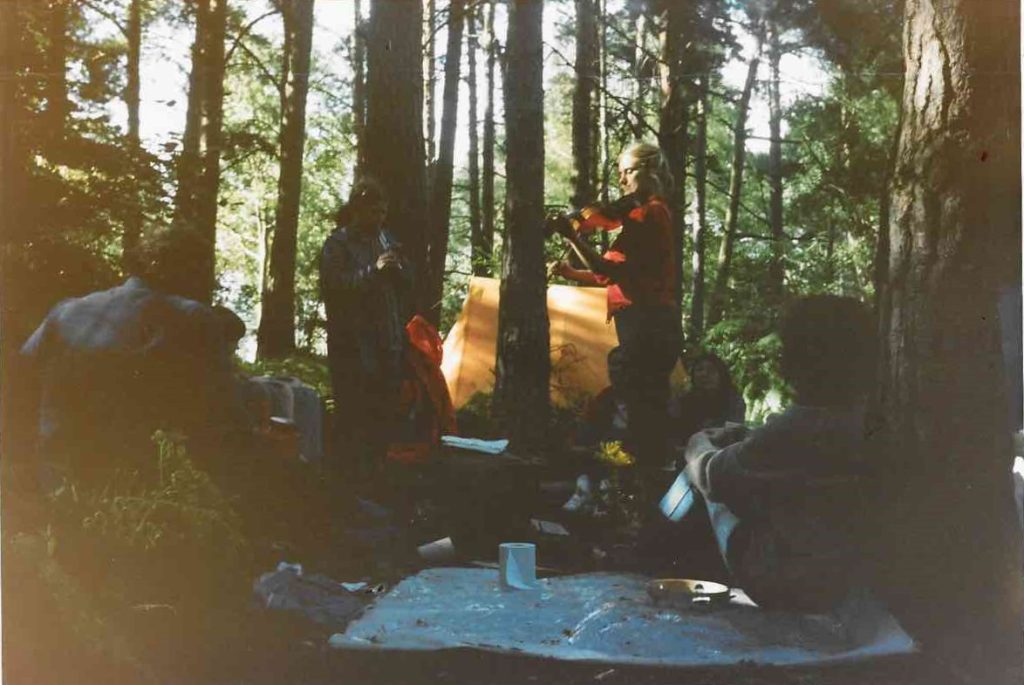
(564,228)
(728,434)
(388,260)
(557,224)
(561,269)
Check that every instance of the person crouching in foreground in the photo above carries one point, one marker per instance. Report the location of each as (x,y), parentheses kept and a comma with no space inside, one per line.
(787,501)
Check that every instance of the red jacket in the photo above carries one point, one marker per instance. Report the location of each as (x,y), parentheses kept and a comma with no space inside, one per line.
(640,263)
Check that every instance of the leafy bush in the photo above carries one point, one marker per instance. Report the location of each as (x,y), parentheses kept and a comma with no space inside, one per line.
(164,541)
(125,569)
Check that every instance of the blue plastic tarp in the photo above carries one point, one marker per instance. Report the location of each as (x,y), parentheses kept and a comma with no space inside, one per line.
(610,618)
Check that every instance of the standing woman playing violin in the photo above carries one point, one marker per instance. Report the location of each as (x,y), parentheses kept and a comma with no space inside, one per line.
(639,271)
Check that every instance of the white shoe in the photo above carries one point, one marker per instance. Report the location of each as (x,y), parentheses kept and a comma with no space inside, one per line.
(583,498)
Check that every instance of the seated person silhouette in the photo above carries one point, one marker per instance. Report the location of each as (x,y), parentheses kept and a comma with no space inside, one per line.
(105,370)
(710,400)
(787,502)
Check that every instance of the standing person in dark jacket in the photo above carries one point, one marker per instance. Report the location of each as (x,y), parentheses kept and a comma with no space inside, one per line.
(365,284)
(788,501)
(639,272)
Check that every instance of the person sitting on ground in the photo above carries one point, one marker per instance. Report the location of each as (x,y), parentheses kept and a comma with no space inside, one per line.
(711,400)
(106,370)
(604,419)
(788,501)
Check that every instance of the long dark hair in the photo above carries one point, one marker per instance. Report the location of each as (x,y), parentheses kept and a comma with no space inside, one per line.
(726,386)
(364,192)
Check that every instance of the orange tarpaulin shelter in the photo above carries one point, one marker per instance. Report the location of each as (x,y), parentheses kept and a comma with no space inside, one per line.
(581,338)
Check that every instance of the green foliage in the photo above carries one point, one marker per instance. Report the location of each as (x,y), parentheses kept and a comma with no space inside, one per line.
(172,539)
(84,183)
(127,568)
(751,351)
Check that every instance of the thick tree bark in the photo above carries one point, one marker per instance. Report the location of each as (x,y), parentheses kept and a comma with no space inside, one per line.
(195,207)
(394,121)
(955,241)
(12,175)
(776,265)
(700,227)
(11,148)
(739,155)
(672,128)
(441,177)
(276,335)
(359,83)
(472,47)
(523,362)
(132,98)
(483,249)
(583,147)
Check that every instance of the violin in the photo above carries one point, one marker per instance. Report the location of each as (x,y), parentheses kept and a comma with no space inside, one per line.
(604,215)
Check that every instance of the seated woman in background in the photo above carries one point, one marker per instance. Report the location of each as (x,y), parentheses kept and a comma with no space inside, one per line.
(711,399)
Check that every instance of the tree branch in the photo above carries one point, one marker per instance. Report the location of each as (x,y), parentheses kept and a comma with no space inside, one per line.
(262,67)
(621,101)
(244,32)
(106,14)
(743,206)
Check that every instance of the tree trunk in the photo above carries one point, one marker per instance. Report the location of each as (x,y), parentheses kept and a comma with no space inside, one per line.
(483,250)
(776,266)
(602,116)
(523,361)
(955,242)
(700,227)
(195,210)
(359,83)
(472,46)
(830,258)
(672,128)
(431,88)
(12,176)
(132,97)
(11,169)
(276,335)
(56,79)
(739,155)
(639,17)
(880,267)
(441,178)
(583,103)
(394,121)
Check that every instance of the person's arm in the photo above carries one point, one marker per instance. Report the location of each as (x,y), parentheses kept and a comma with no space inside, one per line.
(598,265)
(340,274)
(581,276)
(718,464)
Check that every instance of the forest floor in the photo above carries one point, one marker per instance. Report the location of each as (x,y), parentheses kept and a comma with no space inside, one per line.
(297,654)
(247,645)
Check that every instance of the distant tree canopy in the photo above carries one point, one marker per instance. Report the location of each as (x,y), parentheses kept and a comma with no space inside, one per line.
(758,220)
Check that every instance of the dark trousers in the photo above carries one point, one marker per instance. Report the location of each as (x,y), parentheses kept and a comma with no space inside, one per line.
(365,418)
(639,368)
